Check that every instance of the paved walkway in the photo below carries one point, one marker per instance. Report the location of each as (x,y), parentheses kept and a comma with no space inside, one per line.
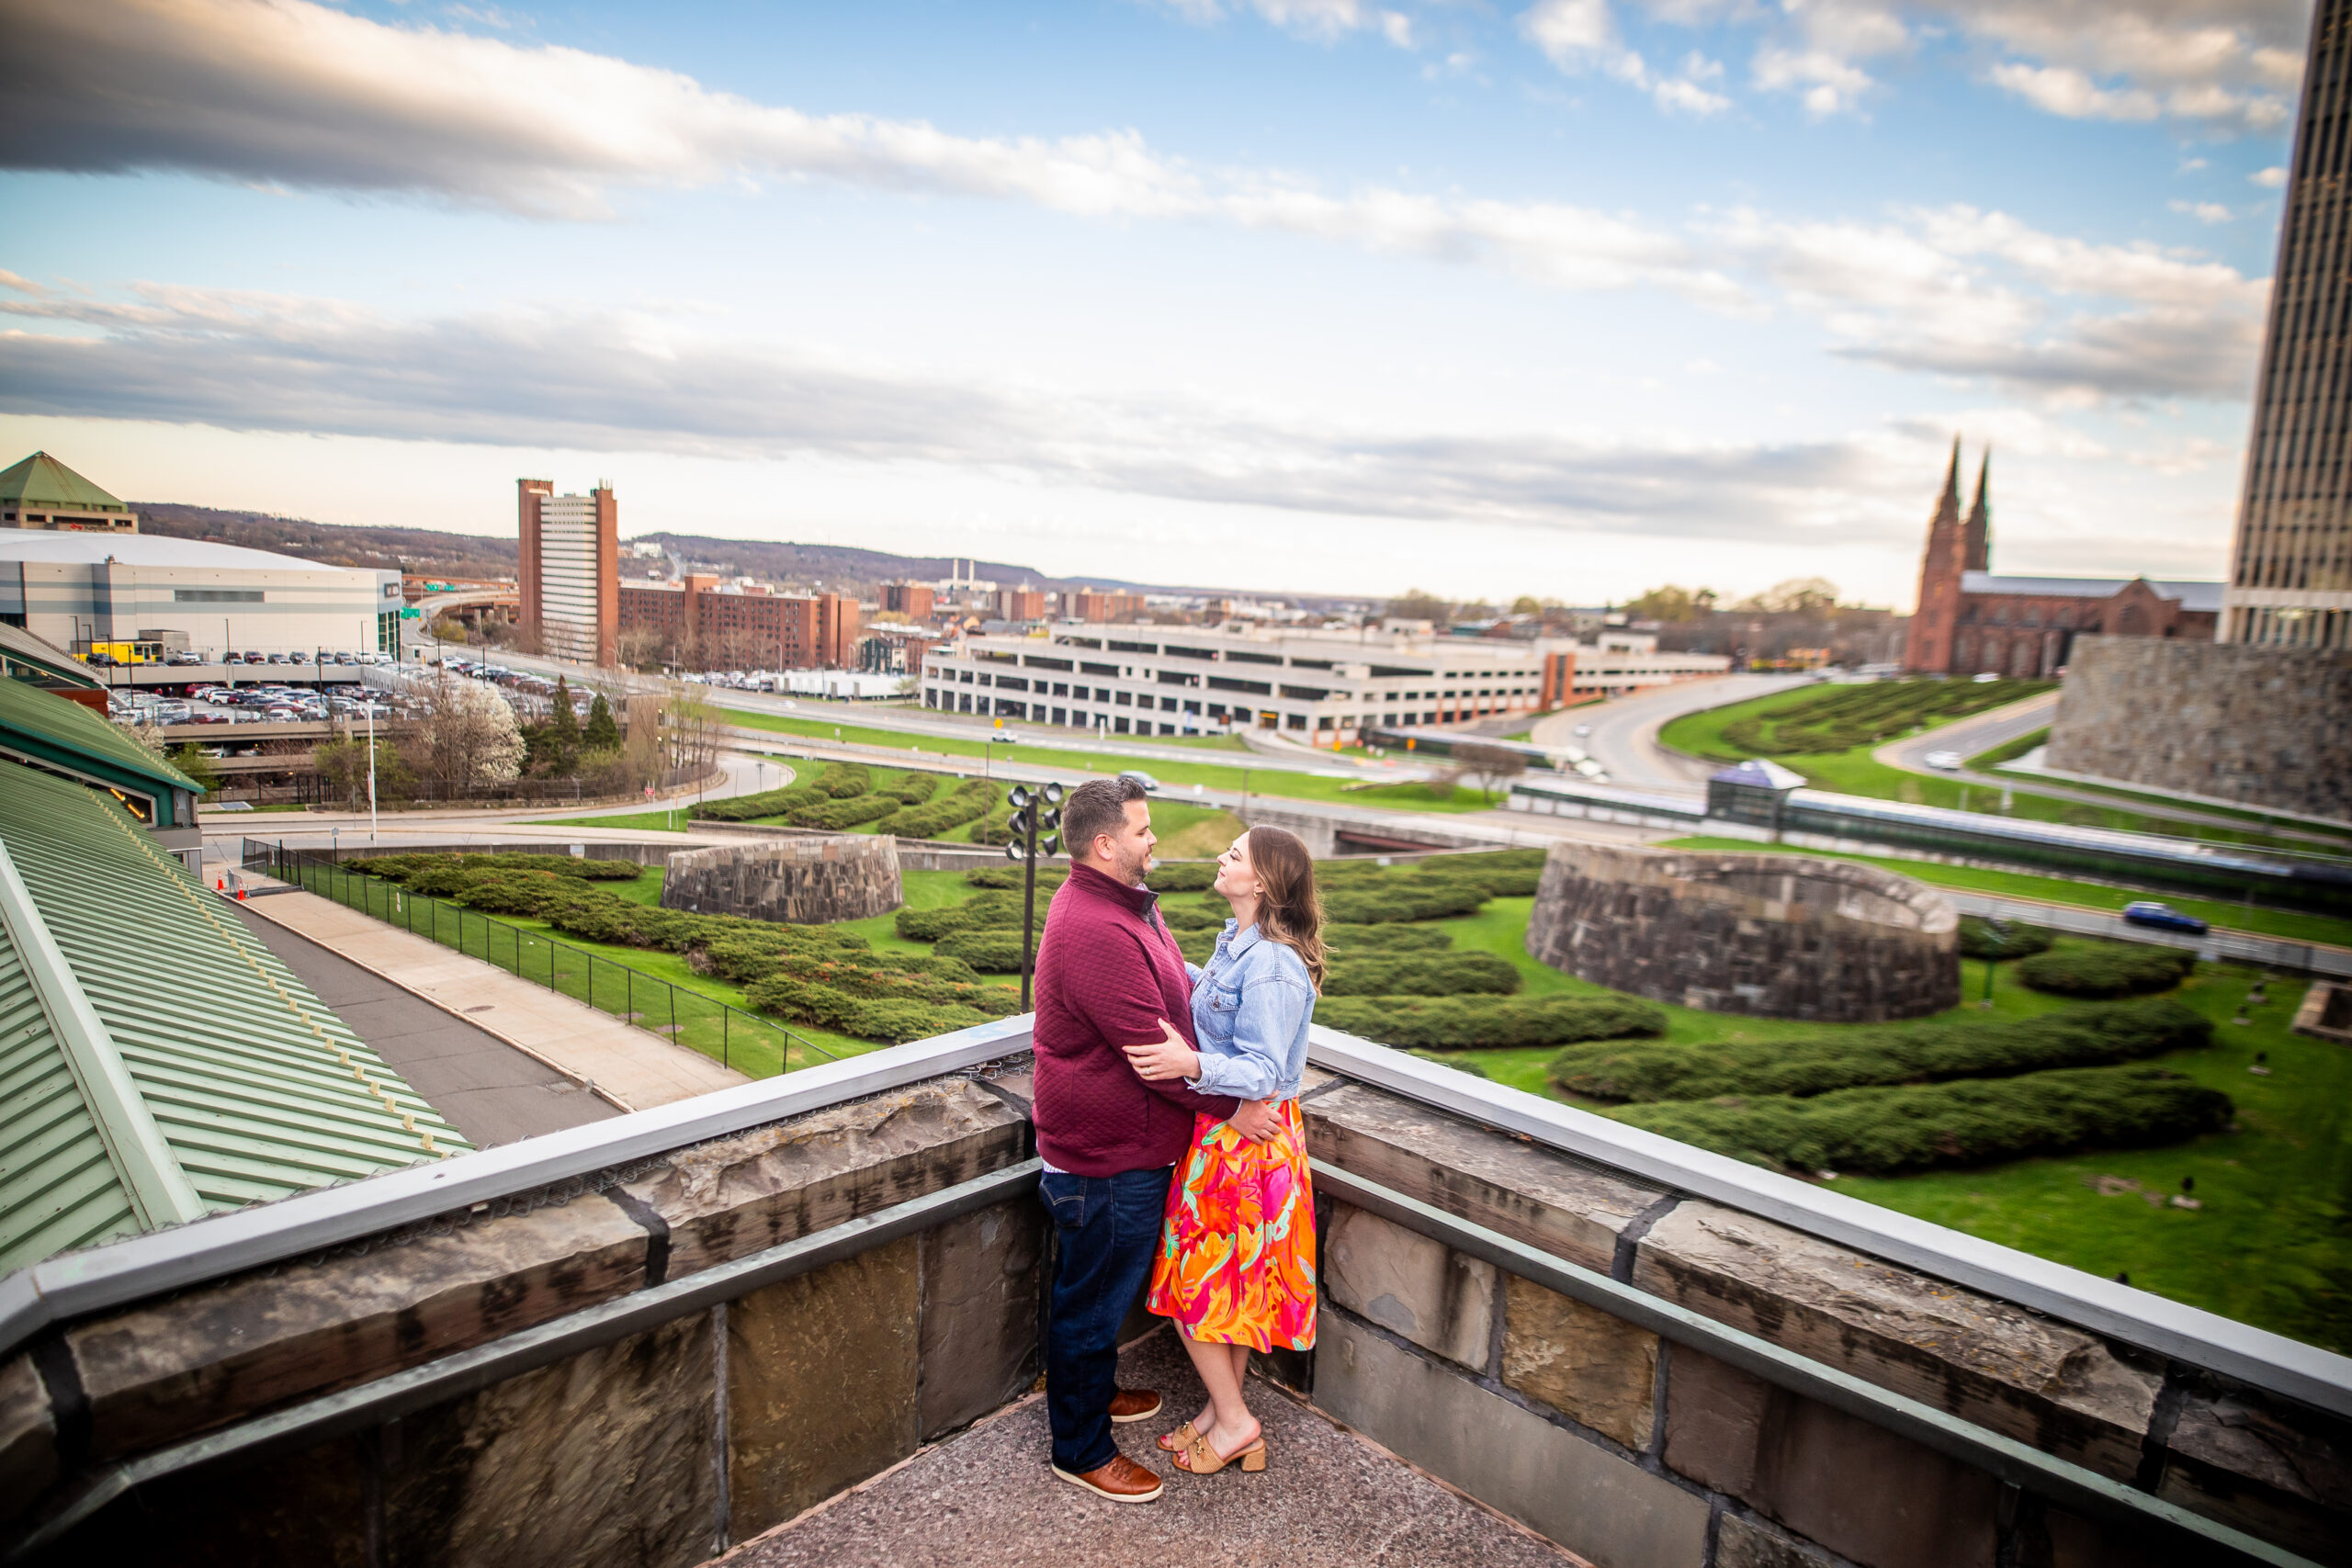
(1327,1500)
(489,1090)
(629,1066)
(1622,732)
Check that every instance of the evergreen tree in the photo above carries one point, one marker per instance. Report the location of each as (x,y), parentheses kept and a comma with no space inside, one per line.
(562,744)
(602,734)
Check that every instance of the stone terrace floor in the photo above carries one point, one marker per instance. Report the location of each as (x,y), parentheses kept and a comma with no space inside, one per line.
(1326,1497)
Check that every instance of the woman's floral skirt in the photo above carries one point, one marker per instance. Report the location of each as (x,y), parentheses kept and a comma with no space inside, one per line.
(1237,1250)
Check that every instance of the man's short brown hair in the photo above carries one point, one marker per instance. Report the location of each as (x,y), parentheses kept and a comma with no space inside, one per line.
(1094,808)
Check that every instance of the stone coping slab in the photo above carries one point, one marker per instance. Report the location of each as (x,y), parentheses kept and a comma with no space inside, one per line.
(1327,1500)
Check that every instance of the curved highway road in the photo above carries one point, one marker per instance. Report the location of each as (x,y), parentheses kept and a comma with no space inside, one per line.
(1623,733)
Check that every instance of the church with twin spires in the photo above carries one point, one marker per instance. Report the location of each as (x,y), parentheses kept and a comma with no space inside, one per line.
(1970,622)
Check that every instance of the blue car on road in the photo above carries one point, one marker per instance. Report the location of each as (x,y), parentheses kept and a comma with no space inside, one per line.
(2163,917)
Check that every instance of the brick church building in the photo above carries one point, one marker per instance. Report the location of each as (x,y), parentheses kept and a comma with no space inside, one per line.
(1970,622)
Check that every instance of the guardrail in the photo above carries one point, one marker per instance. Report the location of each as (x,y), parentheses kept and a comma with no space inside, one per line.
(688,1018)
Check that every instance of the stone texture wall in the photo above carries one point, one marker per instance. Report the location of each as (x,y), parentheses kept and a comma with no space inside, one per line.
(1776,936)
(2270,727)
(654,1451)
(847,876)
(1634,1451)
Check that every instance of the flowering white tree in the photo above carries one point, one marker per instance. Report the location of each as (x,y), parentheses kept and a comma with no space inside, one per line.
(467,736)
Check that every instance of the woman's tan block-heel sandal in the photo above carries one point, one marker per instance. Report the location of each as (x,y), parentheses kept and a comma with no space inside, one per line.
(1200,1458)
(1177,1441)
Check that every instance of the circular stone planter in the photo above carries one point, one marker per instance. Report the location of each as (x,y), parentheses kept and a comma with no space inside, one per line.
(811,881)
(1775,936)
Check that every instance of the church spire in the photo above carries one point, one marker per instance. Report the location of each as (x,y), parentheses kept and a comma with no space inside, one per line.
(1950,500)
(1977,537)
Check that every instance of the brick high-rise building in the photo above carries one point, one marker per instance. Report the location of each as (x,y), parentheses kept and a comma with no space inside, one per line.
(915,601)
(1090,605)
(1020,604)
(2290,569)
(705,624)
(569,571)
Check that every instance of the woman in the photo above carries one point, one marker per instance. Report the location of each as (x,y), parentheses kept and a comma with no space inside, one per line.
(1235,1267)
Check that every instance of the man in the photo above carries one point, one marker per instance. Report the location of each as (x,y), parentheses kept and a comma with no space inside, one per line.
(1108,971)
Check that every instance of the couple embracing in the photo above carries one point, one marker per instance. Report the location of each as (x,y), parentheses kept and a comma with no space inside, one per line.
(1166,1113)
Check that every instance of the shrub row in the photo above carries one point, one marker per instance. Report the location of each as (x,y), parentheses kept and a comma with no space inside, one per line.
(1473,1024)
(2107,969)
(936,815)
(1928,1052)
(991,952)
(1008,875)
(890,1019)
(766,803)
(1978,939)
(916,788)
(1882,1131)
(1421,900)
(412,869)
(1421,974)
(835,814)
(1387,939)
(844,781)
(1838,718)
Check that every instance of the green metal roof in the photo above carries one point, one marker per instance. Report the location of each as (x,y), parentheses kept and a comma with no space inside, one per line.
(21,652)
(42,480)
(157,1062)
(44,723)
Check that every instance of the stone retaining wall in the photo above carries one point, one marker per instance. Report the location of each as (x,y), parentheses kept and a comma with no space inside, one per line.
(2265,725)
(1776,936)
(845,876)
(652,1452)
(1635,1453)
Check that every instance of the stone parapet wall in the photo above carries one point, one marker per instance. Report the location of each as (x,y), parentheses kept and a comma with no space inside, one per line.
(654,1450)
(805,880)
(1774,936)
(2268,726)
(1635,1451)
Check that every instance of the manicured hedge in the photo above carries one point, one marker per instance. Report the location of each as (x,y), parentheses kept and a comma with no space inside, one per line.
(916,788)
(1466,1023)
(1421,974)
(1387,939)
(1008,875)
(449,871)
(934,816)
(844,781)
(1183,877)
(1882,1131)
(835,814)
(766,803)
(1977,940)
(991,951)
(2107,969)
(1928,1052)
(1421,899)
(889,1020)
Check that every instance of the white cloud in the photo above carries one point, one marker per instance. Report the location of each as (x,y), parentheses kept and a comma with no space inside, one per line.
(2272,178)
(1825,83)
(2065,91)
(610,383)
(1577,36)
(2203,212)
(1321,21)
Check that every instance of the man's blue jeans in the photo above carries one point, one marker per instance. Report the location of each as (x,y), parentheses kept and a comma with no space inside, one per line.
(1107,1227)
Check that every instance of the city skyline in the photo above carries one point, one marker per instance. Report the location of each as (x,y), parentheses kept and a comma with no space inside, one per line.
(1294,296)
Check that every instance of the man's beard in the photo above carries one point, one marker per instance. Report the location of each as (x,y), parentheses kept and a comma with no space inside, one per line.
(1134,868)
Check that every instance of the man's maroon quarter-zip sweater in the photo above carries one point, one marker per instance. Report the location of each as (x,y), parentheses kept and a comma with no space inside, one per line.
(1108,971)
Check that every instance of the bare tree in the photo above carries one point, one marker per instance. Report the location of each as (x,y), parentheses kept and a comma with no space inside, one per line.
(1494,766)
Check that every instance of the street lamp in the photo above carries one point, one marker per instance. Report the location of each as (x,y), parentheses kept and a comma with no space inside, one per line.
(1027,823)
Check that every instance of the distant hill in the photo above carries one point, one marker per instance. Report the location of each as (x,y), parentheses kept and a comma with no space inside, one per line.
(838,567)
(334,544)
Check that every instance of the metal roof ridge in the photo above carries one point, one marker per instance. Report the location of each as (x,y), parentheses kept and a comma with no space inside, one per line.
(159,1189)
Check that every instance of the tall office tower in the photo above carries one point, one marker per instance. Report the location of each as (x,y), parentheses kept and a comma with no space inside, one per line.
(2290,573)
(571,571)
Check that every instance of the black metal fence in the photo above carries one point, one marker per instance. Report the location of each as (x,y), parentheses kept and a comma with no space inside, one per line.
(758,1046)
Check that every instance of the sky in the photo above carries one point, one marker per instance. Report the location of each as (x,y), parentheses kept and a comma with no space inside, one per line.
(1562,298)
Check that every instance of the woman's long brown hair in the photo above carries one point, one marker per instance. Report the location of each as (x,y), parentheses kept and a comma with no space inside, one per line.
(1289,910)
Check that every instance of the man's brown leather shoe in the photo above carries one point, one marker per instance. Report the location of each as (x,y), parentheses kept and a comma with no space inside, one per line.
(1135,1405)
(1122,1481)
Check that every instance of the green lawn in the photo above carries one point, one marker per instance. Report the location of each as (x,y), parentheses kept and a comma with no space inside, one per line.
(2293,925)
(1856,771)
(2272,1245)
(1213,776)
(668,819)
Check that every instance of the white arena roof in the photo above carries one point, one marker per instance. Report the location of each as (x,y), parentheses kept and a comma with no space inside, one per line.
(145,550)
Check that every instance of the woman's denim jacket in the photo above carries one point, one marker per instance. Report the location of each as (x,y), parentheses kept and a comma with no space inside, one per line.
(1250,1009)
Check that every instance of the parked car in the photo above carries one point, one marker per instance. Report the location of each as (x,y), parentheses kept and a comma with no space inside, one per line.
(1947,761)
(1150,785)
(2163,917)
